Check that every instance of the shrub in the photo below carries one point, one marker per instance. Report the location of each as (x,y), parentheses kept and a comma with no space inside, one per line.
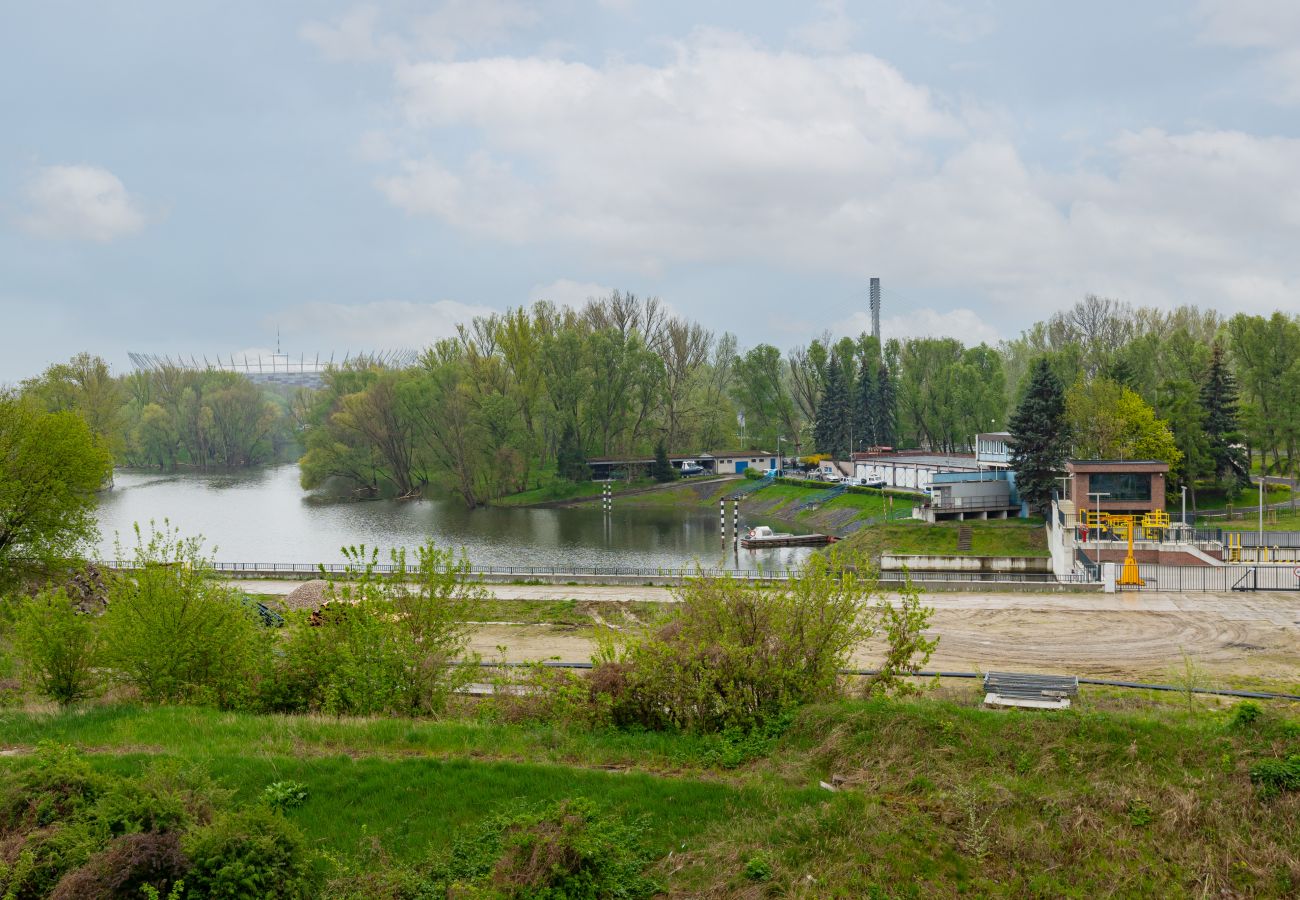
(126,867)
(759,867)
(1246,714)
(1272,776)
(738,654)
(59,647)
(560,850)
(383,642)
(284,795)
(544,694)
(907,648)
(176,634)
(255,852)
(59,784)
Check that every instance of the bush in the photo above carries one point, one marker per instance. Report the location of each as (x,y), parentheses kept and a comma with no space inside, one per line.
(126,867)
(1246,714)
(564,851)
(177,635)
(255,852)
(544,694)
(383,642)
(59,647)
(1273,776)
(738,654)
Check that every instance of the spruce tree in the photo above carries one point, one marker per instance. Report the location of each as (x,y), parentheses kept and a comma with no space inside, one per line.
(570,461)
(833,428)
(865,419)
(886,409)
(1219,400)
(662,470)
(1039,436)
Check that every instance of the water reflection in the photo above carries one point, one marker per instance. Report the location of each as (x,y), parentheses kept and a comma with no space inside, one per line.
(264,516)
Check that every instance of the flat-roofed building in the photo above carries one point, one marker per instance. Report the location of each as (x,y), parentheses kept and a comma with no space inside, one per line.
(993,449)
(1128,486)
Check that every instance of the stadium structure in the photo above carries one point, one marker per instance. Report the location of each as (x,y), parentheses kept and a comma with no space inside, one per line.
(274,368)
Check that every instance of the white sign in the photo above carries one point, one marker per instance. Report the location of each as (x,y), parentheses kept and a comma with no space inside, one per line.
(1297,571)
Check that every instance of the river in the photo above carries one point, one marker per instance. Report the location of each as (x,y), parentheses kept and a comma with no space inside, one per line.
(264,516)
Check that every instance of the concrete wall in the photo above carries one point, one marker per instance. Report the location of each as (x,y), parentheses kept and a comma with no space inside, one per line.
(895,561)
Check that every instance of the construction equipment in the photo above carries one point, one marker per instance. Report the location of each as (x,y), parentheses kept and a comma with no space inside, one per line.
(1125,525)
(1155,525)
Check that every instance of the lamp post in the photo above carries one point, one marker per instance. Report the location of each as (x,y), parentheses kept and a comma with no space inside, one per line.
(1099,495)
(780,461)
(1262,479)
(1184,506)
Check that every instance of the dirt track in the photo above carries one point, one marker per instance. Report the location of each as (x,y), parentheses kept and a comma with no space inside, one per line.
(1103,635)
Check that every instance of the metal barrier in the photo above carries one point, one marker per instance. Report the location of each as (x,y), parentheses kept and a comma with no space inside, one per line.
(1220,579)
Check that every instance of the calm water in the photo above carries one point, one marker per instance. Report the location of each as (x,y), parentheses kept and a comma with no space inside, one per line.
(264,516)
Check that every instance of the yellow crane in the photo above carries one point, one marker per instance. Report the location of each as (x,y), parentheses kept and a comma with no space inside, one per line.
(1129,573)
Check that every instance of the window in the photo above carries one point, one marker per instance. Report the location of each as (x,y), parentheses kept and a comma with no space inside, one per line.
(1122,486)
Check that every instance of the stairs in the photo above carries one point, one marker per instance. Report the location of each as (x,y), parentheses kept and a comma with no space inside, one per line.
(964,537)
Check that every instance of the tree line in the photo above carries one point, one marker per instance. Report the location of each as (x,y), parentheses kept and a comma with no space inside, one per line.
(513,400)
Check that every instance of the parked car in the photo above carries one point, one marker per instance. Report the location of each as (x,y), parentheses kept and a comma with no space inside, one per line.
(831,477)
(691,467)
(871,481)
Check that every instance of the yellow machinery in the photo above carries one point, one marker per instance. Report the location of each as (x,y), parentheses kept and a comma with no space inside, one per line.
(1126,525)
(1234,546)
(1155,524)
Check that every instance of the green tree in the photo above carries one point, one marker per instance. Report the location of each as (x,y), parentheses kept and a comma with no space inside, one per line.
(833,427)
(178,635)
(763,395)
(1040,436)
(570,461)
(663,470)
(51,465)
(1109,421)
(59,647)
(1223,437)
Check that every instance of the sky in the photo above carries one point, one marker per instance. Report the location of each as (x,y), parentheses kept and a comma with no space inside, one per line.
(187,178)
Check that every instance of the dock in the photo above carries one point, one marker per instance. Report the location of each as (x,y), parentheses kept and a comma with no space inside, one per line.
(786,540)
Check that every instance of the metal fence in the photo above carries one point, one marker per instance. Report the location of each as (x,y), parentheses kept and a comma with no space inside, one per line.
(1220,578)
(1271,538)
(305,570)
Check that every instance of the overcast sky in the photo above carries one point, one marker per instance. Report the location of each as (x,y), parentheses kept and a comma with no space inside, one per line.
(184,177)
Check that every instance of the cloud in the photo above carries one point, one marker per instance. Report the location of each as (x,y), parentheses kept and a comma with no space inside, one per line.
(831,31)
(80,202)
(374,326)
(565,292)
(729,153)
(1269,26)
(443,32)
(963,324)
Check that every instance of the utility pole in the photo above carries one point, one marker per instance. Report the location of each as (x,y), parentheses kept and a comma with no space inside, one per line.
(1262,478)
(1099,495)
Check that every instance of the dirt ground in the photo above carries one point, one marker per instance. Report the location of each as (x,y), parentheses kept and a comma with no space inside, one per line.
(1242,636)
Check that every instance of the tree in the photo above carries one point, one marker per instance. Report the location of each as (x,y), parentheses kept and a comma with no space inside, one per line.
(833,427)
(1227,462)
(570,461)
(663,470)
(1039,436)
(886,407)
(866,410)
(59,647)
(1109,421)
(51,465)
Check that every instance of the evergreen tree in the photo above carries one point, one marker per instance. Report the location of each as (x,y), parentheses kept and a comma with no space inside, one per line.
(1219,400)
(662,470)
(1039,436)
(866,417)
(886,408)
(833,429)
(570,461)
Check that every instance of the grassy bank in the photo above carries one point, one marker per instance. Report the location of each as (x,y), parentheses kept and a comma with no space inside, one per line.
(996,537)
(1130,797)
(1214,499)
(1274,520)
(558,490)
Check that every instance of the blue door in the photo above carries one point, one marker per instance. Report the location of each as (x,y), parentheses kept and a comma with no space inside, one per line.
(741,466)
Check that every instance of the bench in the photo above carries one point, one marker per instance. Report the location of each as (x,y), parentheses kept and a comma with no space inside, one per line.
(1029,691)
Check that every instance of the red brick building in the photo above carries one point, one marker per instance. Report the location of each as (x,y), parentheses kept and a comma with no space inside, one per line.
(1132,485)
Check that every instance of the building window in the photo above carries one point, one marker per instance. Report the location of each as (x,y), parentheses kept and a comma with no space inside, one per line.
(1122,486)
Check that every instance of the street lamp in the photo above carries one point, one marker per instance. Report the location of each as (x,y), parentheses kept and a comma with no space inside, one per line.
(1262,479)
(1099,495)
(780,460)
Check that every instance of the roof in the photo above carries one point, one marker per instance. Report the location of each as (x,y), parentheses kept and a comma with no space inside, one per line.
(678,457)
(996,435)
(1132,465)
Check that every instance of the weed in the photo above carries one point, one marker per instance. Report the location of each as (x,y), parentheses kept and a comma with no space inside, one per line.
(284,795)
(1273,776)
(1138,812)
(1246,714)
(759,866)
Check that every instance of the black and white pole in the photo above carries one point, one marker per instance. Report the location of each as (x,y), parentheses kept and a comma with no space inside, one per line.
(735,523)
(722,520)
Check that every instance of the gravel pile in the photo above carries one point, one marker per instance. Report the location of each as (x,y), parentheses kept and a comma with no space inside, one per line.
(308,595)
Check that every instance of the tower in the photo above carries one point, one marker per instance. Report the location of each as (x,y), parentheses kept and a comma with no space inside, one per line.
(875,309)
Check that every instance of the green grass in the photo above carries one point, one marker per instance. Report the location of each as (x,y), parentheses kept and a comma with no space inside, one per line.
(996,537)
(1136,795)
(557,490)
(1212,499)
(1274,520)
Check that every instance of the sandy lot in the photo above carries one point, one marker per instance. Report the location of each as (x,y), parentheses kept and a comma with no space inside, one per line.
(1253,635)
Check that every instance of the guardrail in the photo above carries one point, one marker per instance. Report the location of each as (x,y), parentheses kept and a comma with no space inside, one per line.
(983,501)
(892,576)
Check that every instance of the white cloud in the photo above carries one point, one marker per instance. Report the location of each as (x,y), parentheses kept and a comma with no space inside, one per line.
(565,292)
(963,324)
(374,326)
(727,152)
(1269,26)
(80,202)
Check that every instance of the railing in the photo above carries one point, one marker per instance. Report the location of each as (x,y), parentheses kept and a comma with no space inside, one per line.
(1220,579)
(312,571)
(821,497)
(984,501)
(1090,567)
(1271,538)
